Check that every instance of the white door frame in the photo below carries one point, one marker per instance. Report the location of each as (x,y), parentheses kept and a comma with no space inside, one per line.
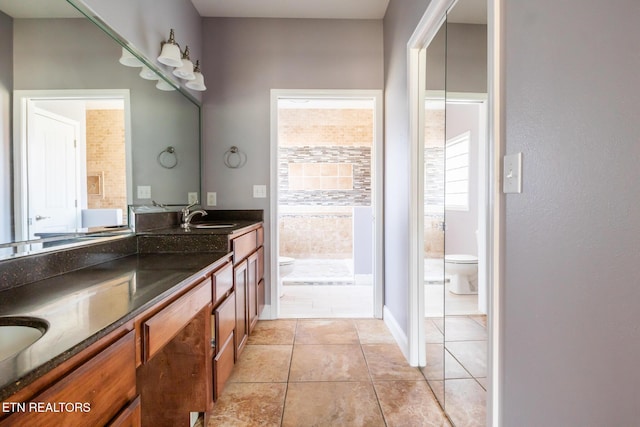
(272,311)
(78,170)
(20,100)
(425,31)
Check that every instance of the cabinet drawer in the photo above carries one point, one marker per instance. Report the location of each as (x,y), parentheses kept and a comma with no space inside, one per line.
(129,416)
(222,282)
(101,387)
(260,236)
(243,246)
(225,318)
(222,367)
(163,326)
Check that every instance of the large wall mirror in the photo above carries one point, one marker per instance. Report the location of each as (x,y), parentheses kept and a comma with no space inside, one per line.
(82,136)
(454,125)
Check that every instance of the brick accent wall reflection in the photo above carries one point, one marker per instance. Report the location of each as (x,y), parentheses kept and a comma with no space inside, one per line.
(106,156)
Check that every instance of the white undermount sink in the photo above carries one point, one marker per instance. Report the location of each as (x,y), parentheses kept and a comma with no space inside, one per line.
(18,333)
(211,225)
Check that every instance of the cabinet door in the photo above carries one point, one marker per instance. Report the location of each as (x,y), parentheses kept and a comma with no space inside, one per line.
(261,289)
(252,289)
(222,367)
(225,315)
(240,283)
(101,387)
(129,416)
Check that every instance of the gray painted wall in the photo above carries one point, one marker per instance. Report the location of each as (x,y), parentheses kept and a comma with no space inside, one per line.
(399,23)
(572,283)
(466,62)
(6,83)
(245,59)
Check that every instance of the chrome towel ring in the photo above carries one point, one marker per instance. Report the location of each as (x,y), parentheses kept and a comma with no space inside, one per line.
(168,158)
(234,158)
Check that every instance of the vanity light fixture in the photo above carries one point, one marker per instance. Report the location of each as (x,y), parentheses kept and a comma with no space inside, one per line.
(198,82)
(148,74)
(129,60)
(186,71)
(170,54)
(163,85)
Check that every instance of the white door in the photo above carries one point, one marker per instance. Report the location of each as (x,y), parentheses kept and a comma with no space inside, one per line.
(53,172)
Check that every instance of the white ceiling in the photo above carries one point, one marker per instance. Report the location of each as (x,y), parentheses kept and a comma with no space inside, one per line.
(327,9)
(465,11)
(38,9)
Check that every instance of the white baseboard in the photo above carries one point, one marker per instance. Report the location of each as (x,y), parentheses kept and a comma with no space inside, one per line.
(267,314)
(398,334)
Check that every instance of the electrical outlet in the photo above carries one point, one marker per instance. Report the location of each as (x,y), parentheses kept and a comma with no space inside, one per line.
(259,191)
(144,191)
(192,197)
(212,198)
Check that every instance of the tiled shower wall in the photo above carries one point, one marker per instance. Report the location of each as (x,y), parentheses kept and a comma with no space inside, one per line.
(321,235)
(325,162)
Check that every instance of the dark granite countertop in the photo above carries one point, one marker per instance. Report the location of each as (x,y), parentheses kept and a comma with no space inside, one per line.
(84,305)
(239,227)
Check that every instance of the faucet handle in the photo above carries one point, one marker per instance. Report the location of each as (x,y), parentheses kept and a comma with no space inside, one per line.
(186,209)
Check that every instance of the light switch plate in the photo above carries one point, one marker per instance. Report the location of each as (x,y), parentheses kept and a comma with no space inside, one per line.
(144,191)
(512,173)
(192,197)
(259,191)
(212,198)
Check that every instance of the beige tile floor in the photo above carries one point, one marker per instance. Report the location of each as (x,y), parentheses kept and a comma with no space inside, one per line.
(457,366)
(325,372)
(326,301)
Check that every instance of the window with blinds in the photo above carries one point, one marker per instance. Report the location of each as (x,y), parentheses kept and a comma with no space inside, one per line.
(457,173)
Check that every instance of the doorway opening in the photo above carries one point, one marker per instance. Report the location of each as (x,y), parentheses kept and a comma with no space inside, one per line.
(326,253)
(71,160)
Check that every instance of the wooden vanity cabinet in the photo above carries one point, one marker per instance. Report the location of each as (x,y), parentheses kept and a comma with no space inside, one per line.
(224,355)
(260,298)
(248,261)
(252,291)
(242,330)
(104,386)
(130,416)
(175,376)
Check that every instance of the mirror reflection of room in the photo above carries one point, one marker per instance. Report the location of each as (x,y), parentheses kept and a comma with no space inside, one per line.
(83,61)
(76,165)
(455,182)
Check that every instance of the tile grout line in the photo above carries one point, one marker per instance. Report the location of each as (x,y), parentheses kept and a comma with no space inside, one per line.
(286,389)
(366,361)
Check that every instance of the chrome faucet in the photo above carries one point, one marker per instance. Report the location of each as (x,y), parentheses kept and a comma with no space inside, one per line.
(187,215)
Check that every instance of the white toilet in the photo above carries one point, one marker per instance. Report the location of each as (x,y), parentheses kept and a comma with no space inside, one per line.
(285,264)
(463,272)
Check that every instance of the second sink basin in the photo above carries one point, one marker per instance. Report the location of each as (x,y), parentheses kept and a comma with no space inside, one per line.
(18,333)
(212,225)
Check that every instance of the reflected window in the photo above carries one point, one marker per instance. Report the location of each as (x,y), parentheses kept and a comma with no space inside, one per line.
(457,173)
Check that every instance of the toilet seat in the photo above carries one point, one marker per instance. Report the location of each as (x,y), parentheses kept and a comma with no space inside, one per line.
(461,259)
(284,260)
